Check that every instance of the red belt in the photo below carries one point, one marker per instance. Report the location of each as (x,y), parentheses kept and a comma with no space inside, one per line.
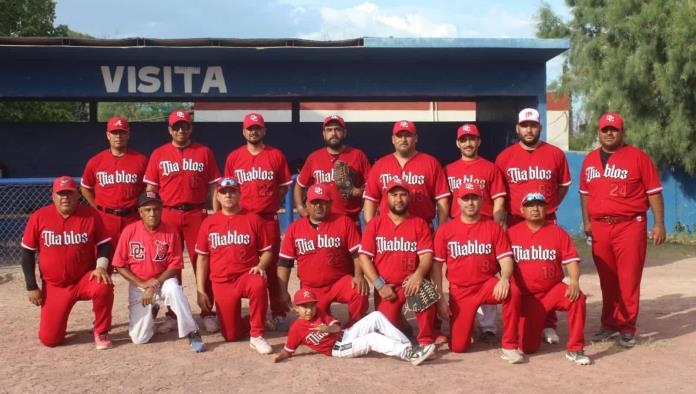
(615,219)
(185,207)
(117,212)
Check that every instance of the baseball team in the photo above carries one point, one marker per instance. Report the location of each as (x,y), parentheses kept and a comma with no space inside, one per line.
(497,240)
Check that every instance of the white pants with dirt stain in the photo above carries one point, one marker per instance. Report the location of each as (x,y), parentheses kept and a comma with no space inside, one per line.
(141,323)
(373,332)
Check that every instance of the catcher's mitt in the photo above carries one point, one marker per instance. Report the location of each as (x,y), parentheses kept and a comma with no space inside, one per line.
(342,178)
(427,295)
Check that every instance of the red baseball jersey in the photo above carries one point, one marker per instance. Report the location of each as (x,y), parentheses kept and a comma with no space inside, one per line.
(479,171)
(233,243)
(395,247)
(422,173)
(66,247)
(471,251)
(319,168)
(260,177)
(301,333)
(323,254)
(183,175)
(622,187)
(148,254)
(541,170)
(116,181)
(539,256)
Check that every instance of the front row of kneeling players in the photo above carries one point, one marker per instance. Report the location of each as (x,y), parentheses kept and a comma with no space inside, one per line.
(396,254)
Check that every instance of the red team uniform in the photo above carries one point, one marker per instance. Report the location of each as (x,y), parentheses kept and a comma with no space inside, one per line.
(116,182)
(617,201)
(260,177)
(234,244)
(324,262)
(66,248)
(480,171)
(301,333)
(471,253)
(395,250)
(423,174)
(540,257)
(319,168)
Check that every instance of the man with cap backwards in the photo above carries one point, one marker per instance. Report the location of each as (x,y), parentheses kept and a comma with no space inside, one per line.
(183,172)
(148,256)
(66,235)
(422,172)
(234,250)
(541,250)
(325,246)
(534,166)
(319,169)
(264,176)
(472,168)
(619,183)
(319,331)
(396,254)
(475,249)
(113,179)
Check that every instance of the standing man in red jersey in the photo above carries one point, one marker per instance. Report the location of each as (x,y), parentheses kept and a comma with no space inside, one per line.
(319,169)
(472,168)
(66,235)
(113,180)
(619,183)
(183,172)
(264,176)
(534,166)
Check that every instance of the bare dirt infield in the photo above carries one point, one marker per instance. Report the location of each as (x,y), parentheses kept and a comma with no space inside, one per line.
(662,361)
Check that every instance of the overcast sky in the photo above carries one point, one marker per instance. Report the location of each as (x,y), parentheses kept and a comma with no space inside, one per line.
(310,19)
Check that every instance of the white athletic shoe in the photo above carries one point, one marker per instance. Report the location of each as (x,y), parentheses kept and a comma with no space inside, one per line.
(421,354)
(211,324)
(550,335)
(167,325)
(260,345)
(578,358)
(513,356)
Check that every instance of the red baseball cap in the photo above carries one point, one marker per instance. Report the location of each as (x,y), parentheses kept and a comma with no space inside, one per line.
(528,115)
(304,296)
(467,129)
(227,182)
(179,115)
(470,188)
(253,119)
(611,119)
(64,183)
(404,125)
(117,123)
(318,192)
(335,118)
(396,182)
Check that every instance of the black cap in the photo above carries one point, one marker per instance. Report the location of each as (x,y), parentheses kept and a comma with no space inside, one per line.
(148,196)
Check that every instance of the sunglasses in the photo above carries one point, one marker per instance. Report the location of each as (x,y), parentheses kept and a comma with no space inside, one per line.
(228,182)
(533,197)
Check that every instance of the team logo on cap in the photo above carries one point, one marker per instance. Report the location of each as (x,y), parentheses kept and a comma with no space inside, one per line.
(150,194)
(529,114)
(254,118)
(404,123)
(306,294)
(318,190)
(118,123)
(466,127)
(64,181)
(335,117)
(469,186)
(610,118)
(179,114)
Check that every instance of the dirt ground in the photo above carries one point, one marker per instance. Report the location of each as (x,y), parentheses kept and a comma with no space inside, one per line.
(662,361)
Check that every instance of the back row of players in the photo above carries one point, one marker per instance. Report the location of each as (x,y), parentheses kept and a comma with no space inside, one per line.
(236,253)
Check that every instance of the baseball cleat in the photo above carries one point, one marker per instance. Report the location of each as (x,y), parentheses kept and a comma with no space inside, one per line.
(604,334)
(260,345)
(513,356)
(196,342)
(211,324)
(102,341)
(281,323)
(489,337)
(167,325)
(578,358)
(422,354)
(627,340)
(550,335)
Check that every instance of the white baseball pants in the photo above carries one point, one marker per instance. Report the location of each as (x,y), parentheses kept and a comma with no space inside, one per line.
(375,333)
(141,323)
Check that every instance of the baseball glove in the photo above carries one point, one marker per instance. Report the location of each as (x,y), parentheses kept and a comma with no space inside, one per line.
(426,296)
(342,178)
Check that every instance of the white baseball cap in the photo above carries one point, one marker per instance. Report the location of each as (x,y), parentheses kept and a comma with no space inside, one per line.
(528,115)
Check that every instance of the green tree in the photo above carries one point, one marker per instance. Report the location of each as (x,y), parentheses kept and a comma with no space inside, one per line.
(636,58)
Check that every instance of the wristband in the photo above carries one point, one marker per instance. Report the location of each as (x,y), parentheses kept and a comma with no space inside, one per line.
(378,283)
(102,262)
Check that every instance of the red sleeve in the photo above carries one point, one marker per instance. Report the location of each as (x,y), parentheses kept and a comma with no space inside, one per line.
(213,170)
(101,235)
(152,171)
(305,175)
(30,239)
(264,236)
(364,167)
(294,338)
(176,254)
(352,236)
(502,243)
(497,184)
(649,175)
(229,163)
(88,176)
(287,249)
(565,179)
(120,258)
(441,187)
(568,251)
(373,191)
(367,242)
(425,238)
(202,246)
(328,319)
(440,253)
(584,185)
(284,177)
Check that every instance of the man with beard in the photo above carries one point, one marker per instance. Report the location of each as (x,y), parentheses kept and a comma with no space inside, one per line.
(319,169)
(534,166)
(325,246)
(619,183)
(264,176)
(472,168)
(396,254)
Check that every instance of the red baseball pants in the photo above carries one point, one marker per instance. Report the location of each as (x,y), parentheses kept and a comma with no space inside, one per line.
(272,226)
(229,305)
